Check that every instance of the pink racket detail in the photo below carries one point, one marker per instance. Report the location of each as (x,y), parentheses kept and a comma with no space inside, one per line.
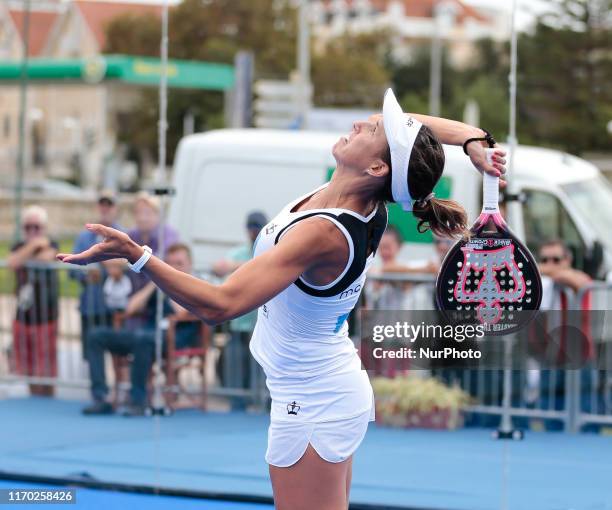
(490,277)
(489,293)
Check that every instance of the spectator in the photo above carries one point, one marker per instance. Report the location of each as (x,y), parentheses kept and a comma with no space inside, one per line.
(35,324)
(387,295)
(388,250)
(147,215)
(422,296)
(140,342)
(117,286)
(92,307)
(235,361)
(442,246)
(555,262)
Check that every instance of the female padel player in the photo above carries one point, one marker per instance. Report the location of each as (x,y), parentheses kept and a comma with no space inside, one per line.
(309,268)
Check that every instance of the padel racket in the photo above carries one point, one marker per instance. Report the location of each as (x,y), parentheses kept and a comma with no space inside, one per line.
(490,277)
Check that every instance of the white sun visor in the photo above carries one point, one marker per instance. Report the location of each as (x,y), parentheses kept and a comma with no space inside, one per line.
(401,131)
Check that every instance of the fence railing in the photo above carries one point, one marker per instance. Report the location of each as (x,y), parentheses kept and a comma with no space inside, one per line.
(46,308)
(590,389)
(573,395)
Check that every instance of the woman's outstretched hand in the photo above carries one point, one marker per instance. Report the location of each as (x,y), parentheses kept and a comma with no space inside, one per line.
(479,160)
(115,245)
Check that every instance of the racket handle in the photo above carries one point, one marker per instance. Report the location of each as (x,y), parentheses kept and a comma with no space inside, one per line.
(490,188)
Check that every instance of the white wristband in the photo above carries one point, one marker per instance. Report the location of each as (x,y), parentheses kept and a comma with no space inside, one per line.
(139,264)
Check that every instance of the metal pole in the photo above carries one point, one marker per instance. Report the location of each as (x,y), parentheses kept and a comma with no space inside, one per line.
(158,402)
(163,98)
(158,406)
(506,419)
(303,60)
(241,96)
(506,429)
(23,93)
(506,423)
(512,140)
(444,16)
(435,70)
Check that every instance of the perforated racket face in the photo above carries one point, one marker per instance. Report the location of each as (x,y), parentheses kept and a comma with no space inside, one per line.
(490,279)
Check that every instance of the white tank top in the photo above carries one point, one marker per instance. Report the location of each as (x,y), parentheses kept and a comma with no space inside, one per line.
(301,336)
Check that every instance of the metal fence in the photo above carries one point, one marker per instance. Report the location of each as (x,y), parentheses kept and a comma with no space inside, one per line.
(575,397)
(42,343)
(590,389)
(46,311)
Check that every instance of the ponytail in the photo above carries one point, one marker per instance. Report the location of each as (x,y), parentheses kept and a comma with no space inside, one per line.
(445,218)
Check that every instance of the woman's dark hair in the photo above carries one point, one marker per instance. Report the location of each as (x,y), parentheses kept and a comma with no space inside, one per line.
(444,218)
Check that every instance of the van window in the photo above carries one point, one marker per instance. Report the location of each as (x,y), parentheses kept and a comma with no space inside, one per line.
(592,199)
(546,219)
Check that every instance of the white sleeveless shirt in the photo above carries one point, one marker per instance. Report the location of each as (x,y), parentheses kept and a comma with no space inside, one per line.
(301,337)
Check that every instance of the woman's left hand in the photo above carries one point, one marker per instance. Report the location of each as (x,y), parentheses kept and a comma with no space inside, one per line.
(478,157)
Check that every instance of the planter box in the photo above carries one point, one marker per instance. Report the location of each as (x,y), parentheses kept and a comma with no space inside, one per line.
(442,419)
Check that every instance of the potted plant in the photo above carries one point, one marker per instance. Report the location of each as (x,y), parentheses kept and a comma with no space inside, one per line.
(416,402)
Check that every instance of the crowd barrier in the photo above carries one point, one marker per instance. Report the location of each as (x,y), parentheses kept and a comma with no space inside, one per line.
(590,389)
(42,340)
(575,397)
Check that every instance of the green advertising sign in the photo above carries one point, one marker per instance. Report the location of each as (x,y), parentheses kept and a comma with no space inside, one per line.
(125,69)
(181,73)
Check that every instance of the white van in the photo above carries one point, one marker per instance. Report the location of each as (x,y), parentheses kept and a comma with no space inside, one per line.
(222,175)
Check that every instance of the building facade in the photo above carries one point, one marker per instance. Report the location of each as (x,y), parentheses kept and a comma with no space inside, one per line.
(410,22)
(69,126)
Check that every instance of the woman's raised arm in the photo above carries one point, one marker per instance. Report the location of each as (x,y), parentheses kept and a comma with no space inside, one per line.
(453,132)
(310,243)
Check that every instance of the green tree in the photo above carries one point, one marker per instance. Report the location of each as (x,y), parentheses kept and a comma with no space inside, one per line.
(216,30)
(485,80)
(491,94)
(564,75)
(411,82)
(134,35)
(565,67)
(200,30)
(415,102)
(349,72)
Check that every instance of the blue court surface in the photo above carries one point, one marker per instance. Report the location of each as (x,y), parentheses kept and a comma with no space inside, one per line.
(220,456)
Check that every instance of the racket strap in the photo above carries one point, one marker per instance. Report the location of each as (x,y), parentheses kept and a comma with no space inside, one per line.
(488,137)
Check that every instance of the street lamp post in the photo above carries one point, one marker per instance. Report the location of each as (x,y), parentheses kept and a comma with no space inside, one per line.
(444,17)
(23,95)
(303,61)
